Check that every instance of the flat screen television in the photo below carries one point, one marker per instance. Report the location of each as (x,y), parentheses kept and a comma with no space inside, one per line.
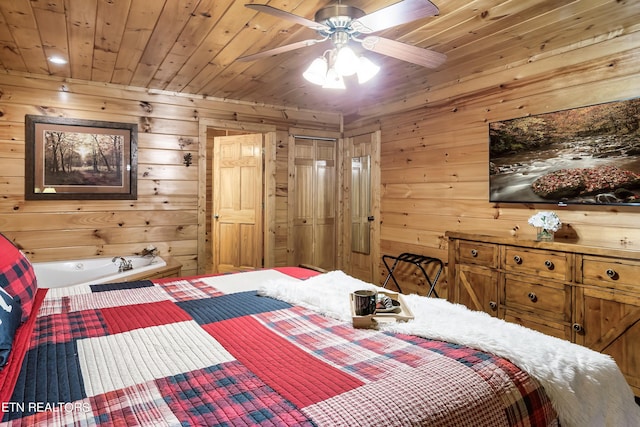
(586,155)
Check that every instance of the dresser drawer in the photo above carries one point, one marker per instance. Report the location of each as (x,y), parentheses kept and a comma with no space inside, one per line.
(550,300)
(610,271)
(484,254)
(553,265)
(555,329)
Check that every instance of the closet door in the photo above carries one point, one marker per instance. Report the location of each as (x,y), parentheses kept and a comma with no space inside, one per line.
(312,203)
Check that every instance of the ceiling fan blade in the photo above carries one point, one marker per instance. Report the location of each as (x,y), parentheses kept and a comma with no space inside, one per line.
(281,49)
(405,52)
(265,8)
(396,14)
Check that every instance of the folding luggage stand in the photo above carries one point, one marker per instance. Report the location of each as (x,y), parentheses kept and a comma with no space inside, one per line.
(419,261)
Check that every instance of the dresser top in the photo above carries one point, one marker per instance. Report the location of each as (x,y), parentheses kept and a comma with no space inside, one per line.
(563,245)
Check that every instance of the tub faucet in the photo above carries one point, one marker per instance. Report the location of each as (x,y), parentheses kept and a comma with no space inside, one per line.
(122,263)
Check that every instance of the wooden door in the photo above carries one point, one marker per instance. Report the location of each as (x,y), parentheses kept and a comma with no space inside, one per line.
(476,288)
(312,203)
(608,321)
(362,206)
(237,203)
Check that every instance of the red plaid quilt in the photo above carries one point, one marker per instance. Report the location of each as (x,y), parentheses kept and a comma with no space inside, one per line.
(209,351)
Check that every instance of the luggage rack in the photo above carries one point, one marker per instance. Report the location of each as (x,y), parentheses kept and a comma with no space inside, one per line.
(419,261)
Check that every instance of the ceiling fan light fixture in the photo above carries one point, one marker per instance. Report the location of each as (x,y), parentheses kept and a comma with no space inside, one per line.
(366,69)
(347,62)
(316,73)
(334,80)
(342,25)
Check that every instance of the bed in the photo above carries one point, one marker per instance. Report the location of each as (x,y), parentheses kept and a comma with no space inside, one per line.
(269,347)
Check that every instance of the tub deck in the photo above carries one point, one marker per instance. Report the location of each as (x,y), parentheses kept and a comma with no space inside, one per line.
(100,270)
(172,269)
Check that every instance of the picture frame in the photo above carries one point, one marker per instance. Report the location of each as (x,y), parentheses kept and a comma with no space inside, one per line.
(76,159)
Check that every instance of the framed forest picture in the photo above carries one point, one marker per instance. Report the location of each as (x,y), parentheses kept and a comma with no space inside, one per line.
(67,159)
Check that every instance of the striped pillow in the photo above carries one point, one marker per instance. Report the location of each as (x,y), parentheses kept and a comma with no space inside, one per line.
(10,314)
(17,276)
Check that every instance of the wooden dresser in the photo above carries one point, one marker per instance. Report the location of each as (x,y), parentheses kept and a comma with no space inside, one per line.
(585,294)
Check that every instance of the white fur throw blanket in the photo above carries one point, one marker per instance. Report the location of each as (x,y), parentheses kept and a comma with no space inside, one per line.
(585,387)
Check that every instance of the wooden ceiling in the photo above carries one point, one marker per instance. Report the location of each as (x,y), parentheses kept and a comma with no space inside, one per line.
(190,46)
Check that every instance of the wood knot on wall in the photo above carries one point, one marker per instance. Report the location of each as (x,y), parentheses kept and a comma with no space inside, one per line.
(43,109)
(146,106)
(184,142)
(145,125)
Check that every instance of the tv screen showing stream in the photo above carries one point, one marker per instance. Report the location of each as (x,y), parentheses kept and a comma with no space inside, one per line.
(586,155)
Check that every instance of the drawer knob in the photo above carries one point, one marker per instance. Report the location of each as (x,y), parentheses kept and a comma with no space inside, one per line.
(474,253)
(532,296)
(549,264)
(517,259)
(577,327)
(493,305)
(612,274)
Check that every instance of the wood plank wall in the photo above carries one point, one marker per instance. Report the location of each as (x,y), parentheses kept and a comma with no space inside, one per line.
(434,168)
(166,211)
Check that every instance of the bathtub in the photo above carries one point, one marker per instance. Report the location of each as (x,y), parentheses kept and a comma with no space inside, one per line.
(89,271)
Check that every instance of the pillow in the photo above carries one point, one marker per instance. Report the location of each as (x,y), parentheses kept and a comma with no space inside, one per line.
(17,276)
(10,318)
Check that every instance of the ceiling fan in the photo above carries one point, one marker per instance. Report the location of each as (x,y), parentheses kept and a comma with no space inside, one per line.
(341,23)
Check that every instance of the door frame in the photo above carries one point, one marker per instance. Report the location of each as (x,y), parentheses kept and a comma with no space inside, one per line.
(269,186)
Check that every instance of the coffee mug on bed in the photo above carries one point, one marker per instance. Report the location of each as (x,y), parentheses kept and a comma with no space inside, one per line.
(364,302)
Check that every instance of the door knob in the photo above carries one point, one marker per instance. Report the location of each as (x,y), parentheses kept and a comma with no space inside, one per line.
(216,216)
